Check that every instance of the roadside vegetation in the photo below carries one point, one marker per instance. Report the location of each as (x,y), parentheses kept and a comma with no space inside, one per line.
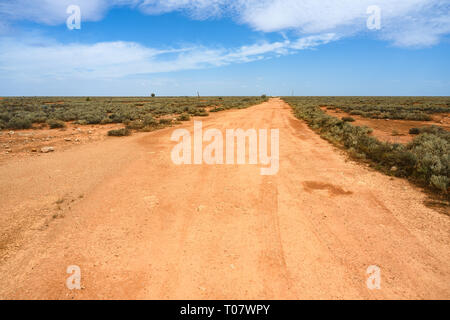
(394,108)
(135,113)
(426,160)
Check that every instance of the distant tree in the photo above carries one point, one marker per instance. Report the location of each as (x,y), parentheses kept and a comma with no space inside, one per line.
(264,96)
(153,95)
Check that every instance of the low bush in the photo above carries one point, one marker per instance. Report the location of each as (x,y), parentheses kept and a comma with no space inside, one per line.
(200,113)
(149,121)
(165,122)
(119,132)
(56,124)
(348,119)
(217,109)
(135,125)
(184,117)
(17,123)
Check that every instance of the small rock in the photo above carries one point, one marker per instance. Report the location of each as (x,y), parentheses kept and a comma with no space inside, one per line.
(34,150)
(394,169)
(67,139)
(47,149)
(200,208)
(11,133)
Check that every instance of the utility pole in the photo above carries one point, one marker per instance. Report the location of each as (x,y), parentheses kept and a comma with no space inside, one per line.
(198,94)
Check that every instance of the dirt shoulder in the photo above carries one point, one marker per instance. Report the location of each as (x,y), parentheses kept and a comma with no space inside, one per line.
(17,144)
(141,227)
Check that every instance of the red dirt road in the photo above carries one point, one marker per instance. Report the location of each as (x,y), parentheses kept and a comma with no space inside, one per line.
(140,227)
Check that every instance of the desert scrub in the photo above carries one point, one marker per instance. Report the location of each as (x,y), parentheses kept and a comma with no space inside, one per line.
(425,160)
(22,113)
(119,132)
(165,122)
(56,124)
(19,123)
(348,119)
(432,152)
(184,117)
(394,108)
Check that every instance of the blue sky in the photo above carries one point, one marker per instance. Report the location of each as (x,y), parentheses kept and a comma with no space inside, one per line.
(218,47)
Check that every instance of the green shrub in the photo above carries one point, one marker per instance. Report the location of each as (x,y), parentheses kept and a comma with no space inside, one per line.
(150,121)
(432,152)
(217,109)
(93,118)
(348,119)
(17,123)
(201,113)
(432,129)
(135,125)
(106,121)
(184,117)
(165,122)
(440,182)
(414,131)
(119,132)
(56,124)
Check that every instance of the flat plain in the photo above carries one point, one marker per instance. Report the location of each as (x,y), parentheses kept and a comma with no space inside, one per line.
(141,227)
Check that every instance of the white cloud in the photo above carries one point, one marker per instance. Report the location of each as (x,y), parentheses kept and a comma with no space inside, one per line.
(404,22)
(53,12)
(42,58)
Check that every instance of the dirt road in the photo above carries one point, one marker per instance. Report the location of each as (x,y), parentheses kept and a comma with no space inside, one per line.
(140,227)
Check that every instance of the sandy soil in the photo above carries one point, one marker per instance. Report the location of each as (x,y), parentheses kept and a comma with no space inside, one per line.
(15,144)
(142,228)
(383,129)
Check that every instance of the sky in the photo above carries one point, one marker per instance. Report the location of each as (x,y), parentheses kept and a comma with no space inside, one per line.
(224,47)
